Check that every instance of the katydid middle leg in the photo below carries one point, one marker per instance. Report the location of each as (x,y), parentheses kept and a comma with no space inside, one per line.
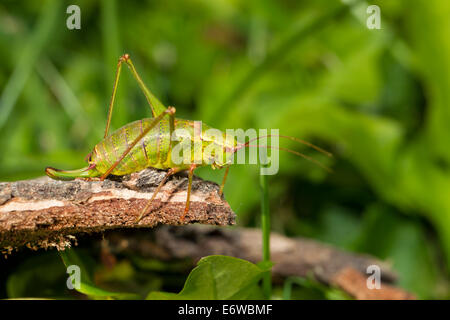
(188,199)
(169,173)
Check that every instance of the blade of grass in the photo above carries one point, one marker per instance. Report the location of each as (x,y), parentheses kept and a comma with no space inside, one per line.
(87,287)
(62,91)
(26,62)
(265,224)
(300,30)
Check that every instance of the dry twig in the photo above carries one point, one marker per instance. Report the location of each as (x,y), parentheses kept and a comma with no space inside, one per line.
(47,213)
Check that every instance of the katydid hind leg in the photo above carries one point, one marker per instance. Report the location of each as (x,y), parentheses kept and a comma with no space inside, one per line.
(155,105)
(169,173)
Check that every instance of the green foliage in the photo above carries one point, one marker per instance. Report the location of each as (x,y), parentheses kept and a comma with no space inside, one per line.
(87,287)
(377,99)
(310,289)
(403,243)
(219,277)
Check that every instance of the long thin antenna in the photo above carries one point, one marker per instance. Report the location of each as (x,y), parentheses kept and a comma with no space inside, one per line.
(287,150)
(309,144)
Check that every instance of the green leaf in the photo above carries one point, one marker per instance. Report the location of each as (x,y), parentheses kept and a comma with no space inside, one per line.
(309,288)
(219,277)
(87,287)
(406,245)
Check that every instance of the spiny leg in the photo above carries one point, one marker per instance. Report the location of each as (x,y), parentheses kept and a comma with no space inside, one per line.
(223,181)
(188,200)
(158,112)
(163,181)
(171,111)
(155,105)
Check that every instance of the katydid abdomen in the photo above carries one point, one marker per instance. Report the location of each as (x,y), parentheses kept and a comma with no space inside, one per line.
(152,151)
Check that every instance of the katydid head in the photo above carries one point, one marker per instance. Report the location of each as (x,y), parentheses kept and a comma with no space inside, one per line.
(219,154)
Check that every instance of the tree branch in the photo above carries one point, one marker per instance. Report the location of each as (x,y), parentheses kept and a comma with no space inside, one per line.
(43,213)
(291,256)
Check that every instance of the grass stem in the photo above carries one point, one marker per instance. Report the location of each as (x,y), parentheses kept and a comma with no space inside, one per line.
(265,225)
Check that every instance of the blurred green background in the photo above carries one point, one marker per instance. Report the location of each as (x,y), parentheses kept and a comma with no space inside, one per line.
(379,100)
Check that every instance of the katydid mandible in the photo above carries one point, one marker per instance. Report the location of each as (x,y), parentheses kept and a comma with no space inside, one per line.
(148,143)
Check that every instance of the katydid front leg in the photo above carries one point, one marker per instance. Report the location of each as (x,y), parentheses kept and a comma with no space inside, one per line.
(222,185)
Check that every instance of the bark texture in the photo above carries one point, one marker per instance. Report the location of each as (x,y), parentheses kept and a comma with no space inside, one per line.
(43,213)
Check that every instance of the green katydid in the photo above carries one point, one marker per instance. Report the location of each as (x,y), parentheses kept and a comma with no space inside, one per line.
(149,143)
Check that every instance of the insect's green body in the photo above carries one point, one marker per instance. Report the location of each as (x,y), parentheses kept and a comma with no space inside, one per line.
(151,151)
(153,142)
(154,150)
